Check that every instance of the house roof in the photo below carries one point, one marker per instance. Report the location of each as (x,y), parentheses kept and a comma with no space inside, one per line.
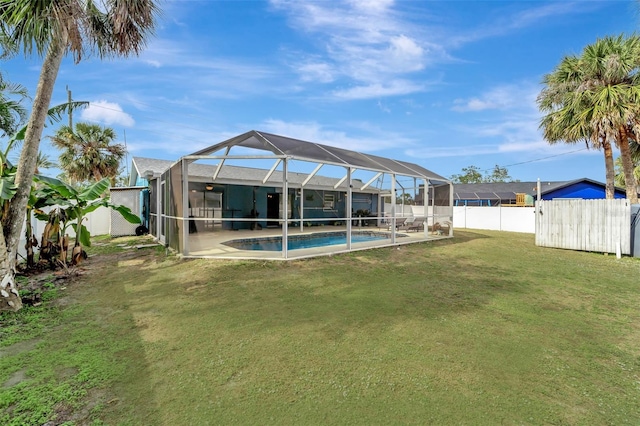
(323,154)
(507,190)
(147,166)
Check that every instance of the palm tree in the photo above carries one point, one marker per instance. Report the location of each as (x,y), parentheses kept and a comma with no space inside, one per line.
(88,153)
(563,121)
(635,156)
(43,162)
(620,179)
(53,29)
(594,98)
(12,113)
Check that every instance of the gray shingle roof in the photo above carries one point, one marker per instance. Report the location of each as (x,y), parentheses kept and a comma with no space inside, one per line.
(234,174)
(508,190)
(497,191)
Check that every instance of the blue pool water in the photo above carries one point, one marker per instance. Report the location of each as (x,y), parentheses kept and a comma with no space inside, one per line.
(306,241)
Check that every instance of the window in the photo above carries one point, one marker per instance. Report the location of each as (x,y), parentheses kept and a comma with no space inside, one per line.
(329,202)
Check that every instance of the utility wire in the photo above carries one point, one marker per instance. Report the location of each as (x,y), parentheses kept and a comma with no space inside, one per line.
(535,159)
(546,158)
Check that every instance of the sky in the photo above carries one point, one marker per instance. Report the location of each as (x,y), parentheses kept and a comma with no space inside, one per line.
(444,84)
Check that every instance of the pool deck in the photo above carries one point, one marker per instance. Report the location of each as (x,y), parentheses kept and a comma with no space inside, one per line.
(210,244)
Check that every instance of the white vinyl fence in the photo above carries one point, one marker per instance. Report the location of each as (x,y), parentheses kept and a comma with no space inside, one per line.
(588,225)
(98,222)
(512,219)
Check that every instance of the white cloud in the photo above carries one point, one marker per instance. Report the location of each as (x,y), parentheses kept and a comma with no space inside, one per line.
(173,140)
(450,151)
(367,43)
(406,54)
(378,90)
(372,5)
(506,97)
(108,113)
(316,71)
(510,22)
(539,145)
(217,77)
(513,128)
(535,149)
(153,63)
(383,108)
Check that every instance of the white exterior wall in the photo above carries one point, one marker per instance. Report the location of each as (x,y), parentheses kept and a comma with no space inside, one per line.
(512,219)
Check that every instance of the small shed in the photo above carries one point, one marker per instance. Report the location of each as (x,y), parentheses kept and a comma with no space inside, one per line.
(129,197)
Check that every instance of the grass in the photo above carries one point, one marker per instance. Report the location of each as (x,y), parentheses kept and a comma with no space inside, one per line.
(482,329)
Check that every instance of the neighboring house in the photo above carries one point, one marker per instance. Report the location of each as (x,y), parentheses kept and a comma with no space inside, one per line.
(506,193)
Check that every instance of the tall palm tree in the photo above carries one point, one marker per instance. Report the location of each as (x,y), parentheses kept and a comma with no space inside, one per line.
(594,98)
(88,153)
(53,29)
(564,121)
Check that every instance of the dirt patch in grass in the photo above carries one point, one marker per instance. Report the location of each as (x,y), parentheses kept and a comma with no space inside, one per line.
(150,327)
(84,414)
(71,353)
(16,378)
(19,347)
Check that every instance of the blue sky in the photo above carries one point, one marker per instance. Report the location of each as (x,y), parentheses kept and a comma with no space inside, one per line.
(442,84)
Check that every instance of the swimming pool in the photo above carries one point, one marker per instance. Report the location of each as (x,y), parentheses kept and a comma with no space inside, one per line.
(296,242)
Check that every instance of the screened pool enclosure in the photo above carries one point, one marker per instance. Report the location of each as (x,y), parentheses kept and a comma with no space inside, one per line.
(260,195)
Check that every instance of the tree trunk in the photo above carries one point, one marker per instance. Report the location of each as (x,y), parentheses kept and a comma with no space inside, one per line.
(627,167)
(28,236)
(27,162)
(10,300)
(610,172)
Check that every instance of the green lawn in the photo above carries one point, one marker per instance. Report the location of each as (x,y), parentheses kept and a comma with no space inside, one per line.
(485,328)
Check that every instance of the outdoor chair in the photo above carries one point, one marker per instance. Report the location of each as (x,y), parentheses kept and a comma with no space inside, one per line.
(417,224)
(400,221)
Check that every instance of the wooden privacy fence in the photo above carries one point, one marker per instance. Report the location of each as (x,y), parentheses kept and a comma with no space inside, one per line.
(588,225)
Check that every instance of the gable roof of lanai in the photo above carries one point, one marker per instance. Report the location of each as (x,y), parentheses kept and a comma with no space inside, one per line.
(324,154)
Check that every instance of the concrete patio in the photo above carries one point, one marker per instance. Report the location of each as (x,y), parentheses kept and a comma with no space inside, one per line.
(211,244)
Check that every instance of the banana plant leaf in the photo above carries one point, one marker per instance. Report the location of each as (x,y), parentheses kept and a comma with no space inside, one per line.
(59,186)
(74,212)
(84,235)
(95,191)
(40,215)
(94,206)
(7,187)
(126,213)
